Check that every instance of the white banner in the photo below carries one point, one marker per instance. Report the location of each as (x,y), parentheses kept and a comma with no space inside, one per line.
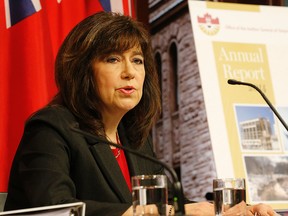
(248,43)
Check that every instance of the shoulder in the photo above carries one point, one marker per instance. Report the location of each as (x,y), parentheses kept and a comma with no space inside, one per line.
(55,118)
(52,128)
(53,115)
(148,146)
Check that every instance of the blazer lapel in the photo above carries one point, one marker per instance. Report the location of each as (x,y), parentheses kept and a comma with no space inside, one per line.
(110,169)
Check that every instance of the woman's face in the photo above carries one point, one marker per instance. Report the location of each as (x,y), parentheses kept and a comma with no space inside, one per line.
(119,79)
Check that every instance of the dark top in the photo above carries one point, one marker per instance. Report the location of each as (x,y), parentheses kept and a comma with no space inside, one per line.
(55,165)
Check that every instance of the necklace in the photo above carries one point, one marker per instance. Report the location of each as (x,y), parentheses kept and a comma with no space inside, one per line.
(118,142)
(118,153)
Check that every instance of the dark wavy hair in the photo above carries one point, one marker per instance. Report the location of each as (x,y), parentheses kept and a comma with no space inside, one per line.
(94,37)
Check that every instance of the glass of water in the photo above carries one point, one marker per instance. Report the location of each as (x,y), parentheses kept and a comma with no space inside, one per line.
(149,195)
(229,196)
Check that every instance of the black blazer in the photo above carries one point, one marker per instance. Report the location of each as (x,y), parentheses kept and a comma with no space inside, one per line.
(54,165)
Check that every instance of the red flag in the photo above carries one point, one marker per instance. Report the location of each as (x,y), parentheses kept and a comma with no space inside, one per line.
(30,35)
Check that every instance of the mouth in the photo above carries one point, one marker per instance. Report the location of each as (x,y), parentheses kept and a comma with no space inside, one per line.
(127,89)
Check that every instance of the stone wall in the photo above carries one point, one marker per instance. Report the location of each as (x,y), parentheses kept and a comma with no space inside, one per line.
(182,137)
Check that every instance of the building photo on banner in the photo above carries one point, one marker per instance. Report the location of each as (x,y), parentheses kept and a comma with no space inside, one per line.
(248,140)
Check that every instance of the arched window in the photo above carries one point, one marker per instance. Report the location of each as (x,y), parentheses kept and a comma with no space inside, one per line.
(174,78)
(158,61)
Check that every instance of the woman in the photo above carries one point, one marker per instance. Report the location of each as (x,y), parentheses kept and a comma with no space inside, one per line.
(108,87)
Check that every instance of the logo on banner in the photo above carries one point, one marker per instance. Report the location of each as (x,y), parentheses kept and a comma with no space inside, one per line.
(208,24)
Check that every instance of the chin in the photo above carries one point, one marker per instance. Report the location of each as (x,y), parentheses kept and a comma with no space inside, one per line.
(129,107)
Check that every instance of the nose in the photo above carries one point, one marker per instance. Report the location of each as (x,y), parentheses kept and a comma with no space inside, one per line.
(128,71)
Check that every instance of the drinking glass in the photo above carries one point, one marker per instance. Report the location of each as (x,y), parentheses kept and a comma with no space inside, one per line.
(229,196)
(149,195)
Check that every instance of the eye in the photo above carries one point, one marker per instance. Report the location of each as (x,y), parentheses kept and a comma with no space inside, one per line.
(138,61)
(112,59)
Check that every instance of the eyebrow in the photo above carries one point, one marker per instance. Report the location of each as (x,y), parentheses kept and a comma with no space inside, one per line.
(138,52)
